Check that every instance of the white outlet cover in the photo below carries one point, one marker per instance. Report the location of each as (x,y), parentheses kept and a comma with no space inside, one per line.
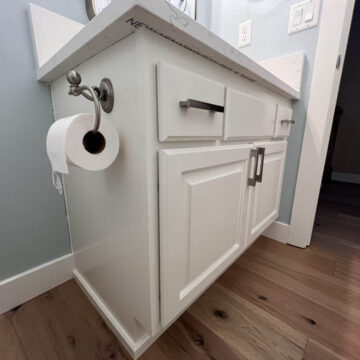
(304,15)
(245,33)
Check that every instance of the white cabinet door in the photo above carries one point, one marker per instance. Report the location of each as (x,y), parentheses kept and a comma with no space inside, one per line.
(202,227)
(264,196)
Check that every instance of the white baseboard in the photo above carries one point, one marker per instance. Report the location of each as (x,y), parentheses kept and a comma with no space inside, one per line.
(125,339)
(345,177)
(29,284)
(278,231)
(135,348)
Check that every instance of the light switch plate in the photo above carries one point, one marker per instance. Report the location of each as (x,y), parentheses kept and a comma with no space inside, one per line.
(304,15)
(309,12)
(298,16)
(245,34)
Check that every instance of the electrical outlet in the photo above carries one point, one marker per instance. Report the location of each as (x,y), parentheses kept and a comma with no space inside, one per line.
(245,34)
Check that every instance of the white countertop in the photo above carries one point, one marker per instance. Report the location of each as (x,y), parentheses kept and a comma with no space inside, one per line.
(123,17)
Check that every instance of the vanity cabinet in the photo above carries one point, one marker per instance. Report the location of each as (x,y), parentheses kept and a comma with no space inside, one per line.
(199,173)
(191,189)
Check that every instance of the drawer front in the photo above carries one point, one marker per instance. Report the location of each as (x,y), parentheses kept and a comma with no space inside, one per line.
(282,127)
(187,123)
(247,116)
(202,220)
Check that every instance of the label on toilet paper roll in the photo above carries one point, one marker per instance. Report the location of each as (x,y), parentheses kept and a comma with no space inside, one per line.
(70,141)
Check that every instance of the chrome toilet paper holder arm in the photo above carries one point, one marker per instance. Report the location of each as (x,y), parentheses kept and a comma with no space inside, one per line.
(102,95)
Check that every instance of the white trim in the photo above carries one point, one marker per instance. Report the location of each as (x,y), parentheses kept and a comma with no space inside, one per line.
(29,284)
(333,35)
(346,177)
(278,231)
(135,348)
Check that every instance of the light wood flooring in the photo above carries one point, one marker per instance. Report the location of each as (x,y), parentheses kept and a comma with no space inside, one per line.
(276,302)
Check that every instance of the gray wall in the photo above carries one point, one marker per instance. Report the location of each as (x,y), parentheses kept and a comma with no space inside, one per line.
(347,146)
(270,39)
(32,214)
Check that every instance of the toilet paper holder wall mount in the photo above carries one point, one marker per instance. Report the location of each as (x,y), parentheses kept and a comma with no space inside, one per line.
(102,96)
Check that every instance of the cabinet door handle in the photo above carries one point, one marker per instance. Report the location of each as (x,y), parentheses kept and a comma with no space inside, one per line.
(287,122)
(260,152)
(254,155)
(191,103)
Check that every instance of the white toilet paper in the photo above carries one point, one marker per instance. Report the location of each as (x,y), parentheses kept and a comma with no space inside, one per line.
(70,141)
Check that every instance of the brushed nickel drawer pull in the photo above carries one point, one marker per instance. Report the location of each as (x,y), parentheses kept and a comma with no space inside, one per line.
(253,154)
(191,103)
(261,152)
(287,121)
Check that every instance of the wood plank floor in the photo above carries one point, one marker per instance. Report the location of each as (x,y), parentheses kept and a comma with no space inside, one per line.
(276,302)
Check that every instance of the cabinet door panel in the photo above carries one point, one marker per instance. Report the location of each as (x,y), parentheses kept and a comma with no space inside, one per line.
(202,227)
(264,198)
(247,116)
(178,123)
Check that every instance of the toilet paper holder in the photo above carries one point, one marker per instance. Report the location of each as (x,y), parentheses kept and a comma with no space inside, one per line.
(102,95)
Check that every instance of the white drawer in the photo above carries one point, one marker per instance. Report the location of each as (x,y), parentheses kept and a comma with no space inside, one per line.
(283,121)
(187,123)
(247,116)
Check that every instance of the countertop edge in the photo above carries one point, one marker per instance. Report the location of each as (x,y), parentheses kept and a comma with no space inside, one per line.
(122,18)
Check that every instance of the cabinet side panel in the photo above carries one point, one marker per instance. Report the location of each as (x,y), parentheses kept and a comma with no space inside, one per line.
(108,209)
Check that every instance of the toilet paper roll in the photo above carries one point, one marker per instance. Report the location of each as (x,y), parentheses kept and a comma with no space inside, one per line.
(70,141)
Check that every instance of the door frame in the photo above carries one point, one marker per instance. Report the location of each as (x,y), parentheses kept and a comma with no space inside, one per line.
(332,42)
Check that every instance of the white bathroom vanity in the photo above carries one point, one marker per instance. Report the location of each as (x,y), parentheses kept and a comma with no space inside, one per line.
(203,134)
